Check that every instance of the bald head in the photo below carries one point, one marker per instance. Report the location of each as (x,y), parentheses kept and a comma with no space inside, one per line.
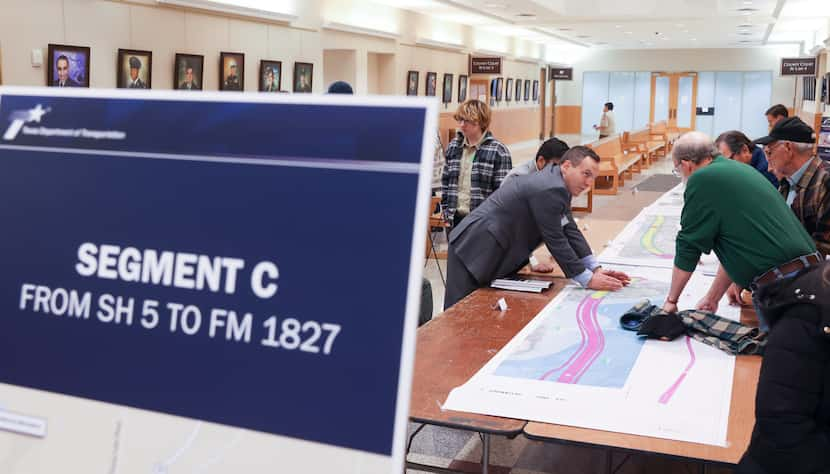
(694,147)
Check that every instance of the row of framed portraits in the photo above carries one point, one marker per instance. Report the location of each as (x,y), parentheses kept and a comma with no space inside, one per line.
(430,86)
(69,66)
(499,90)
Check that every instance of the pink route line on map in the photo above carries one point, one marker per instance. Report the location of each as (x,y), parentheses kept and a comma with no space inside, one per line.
(577,351)
(591,345)
(670,392)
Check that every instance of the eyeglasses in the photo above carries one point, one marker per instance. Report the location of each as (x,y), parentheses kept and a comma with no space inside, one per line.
(675,171)
(462,121)
(770,147)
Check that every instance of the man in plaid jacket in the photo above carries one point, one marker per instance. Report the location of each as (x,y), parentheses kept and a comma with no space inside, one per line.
(805,179)
(476,163)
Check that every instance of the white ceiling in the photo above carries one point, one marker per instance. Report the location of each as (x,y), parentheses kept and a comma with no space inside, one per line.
(640,24)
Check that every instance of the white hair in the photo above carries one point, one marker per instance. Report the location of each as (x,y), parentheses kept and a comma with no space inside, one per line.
(801,148)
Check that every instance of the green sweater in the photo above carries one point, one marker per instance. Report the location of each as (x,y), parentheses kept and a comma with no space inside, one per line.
(731,208)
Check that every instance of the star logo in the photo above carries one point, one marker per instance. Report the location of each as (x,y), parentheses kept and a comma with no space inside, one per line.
(22,117)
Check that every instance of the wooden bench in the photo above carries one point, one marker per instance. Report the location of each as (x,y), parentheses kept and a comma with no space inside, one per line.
(616,163)
(641,140)
(667,134)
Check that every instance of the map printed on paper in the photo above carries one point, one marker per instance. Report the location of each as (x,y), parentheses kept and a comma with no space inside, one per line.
(574,365)
(649,240)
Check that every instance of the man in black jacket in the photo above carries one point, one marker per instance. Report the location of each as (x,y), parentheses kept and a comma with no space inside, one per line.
(792,405)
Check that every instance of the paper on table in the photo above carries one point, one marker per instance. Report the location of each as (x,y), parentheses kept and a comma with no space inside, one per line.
(574,365)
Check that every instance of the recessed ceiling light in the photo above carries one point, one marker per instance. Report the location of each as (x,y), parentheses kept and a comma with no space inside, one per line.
(583,36)
(565,28)
(498,6)
(629,32)
(665,38)
(685,31)
(747,2)
(692,39)
(617,26)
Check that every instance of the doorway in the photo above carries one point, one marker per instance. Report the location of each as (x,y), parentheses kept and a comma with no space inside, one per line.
(674,99)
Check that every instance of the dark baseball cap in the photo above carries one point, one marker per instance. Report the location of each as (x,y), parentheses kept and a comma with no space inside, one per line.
(553,148)
(791,129)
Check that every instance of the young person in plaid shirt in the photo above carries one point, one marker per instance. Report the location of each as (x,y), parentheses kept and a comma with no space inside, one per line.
(476,163)
(805,179)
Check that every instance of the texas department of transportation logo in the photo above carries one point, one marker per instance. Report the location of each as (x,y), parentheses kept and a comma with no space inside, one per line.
(20,118)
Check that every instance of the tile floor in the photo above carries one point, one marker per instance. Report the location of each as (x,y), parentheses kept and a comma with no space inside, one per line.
(462,450)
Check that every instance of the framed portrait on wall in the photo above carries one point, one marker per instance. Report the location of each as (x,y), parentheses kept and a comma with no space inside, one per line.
(432,78)
(527,90)
(518,95)
(446,96)
(231,71)
(134,69)
(188,72)
(412,83)
(303,74)
(462,88)
(270,75)
(536,91)
(494,89)
(508,90)
(68,66)
(499,89)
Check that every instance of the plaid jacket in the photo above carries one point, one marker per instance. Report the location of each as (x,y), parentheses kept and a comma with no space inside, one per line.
(812,203)
(727,335)
(491,164)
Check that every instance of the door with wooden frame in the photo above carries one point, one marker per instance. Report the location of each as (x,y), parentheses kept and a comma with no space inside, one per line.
(674,99)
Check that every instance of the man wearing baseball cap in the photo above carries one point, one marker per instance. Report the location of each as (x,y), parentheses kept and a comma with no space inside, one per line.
(805,179)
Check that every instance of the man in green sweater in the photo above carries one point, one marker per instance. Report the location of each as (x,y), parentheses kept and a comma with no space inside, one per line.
(731,208)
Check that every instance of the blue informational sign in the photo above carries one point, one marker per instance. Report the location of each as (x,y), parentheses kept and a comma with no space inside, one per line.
(253,261)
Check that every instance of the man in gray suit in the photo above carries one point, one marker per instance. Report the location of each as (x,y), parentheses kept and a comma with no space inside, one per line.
(496,239)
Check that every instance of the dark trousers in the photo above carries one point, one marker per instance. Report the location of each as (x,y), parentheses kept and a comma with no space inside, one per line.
(460,282)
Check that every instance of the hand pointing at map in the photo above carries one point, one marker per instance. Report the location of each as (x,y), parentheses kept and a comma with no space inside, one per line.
(604,282)
(622,277)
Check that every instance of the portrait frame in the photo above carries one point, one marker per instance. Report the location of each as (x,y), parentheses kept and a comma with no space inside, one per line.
(508,90)
(303,70)
(78,67)
(431,85)
(183,62)
(226,80)
(499,89)
(412,78)
(446,92)
(276,69)
(518,95)
(527,90)
(123,68)
(494,89)
(536,91)
(462,88)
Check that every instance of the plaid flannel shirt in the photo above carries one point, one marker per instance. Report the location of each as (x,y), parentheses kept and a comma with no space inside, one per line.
(491,164)
(812,203)
(724,334)
(727,335)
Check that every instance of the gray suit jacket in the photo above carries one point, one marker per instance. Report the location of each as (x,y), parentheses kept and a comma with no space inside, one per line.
(497,238)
